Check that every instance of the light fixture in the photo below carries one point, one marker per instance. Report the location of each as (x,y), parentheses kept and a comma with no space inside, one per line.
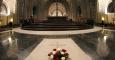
(11,20)
(102,18)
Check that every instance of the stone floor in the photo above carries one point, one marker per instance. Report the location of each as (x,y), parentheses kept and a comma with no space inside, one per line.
(46,46)
(99,45)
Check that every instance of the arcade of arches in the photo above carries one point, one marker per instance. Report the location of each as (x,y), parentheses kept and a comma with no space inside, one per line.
(40,10)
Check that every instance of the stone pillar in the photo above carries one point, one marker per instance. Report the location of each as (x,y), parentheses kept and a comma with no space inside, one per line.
(84,8)
(39,10)
(89,8)
(0,4)
(20,8)
(114,6)
(71,10)
(28,7)
(93,9)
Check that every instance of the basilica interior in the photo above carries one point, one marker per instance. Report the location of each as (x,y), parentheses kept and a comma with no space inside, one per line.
(57,29)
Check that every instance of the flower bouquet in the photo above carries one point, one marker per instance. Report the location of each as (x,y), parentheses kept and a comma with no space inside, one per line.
(58,54)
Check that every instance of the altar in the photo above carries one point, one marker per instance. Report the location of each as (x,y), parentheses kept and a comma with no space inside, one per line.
(57,19)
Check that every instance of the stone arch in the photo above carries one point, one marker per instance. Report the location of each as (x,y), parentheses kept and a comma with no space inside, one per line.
(61,9)
(111,8)
(3,9)
(4,3)
(64,2)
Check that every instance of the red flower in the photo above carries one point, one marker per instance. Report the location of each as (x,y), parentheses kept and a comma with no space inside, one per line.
(66,54)
(63,50)
(54,49)
(57,58)
(49,54)
(57,54)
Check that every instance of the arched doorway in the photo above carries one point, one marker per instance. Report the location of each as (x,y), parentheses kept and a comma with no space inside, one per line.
(58,10)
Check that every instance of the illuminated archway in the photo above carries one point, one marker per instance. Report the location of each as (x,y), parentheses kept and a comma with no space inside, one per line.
(103,4)
(53,10)
(3,10)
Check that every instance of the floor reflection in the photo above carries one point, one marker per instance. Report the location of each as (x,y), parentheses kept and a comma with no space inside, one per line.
(102,46)
(99,45)
(14,46)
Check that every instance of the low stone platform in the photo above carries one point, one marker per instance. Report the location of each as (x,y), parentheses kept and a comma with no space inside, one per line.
(55,27)
(57,33)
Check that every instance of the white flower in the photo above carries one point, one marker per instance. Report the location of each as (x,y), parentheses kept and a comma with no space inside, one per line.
(63,58)
(59,49)
(62,52)
(54,52)
(51,56)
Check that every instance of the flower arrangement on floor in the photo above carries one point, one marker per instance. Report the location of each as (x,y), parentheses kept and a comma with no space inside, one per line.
(58,54)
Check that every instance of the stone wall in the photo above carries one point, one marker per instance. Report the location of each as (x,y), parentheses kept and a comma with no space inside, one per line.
(25,8)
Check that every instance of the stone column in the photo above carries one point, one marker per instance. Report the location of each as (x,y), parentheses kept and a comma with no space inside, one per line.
(20,8)
(71,10)
(28,7)
(0,4)
(84,8)
(114,6)
(74,9)
(89,8)
(93,9)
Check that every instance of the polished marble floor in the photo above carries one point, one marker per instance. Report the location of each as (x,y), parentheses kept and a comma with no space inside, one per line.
(99,45)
